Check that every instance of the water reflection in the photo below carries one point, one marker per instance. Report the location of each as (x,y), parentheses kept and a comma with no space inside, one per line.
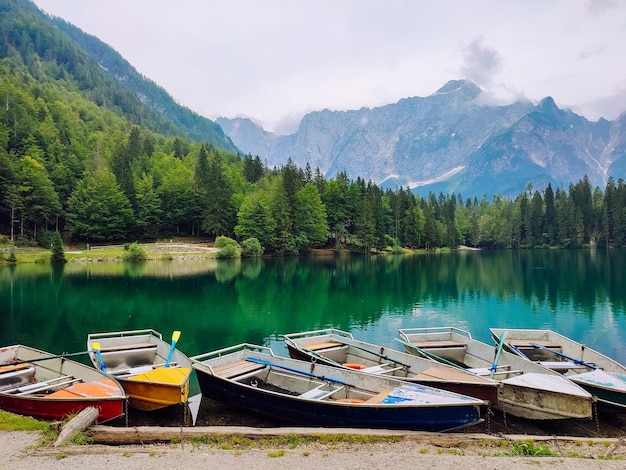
(217,303)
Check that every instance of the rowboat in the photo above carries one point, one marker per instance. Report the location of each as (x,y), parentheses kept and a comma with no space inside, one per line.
(340,349)
(598,374)
(253,378)
(38,384)
(154,374)
(528,389)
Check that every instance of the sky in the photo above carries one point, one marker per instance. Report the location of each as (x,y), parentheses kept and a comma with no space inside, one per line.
(276,60)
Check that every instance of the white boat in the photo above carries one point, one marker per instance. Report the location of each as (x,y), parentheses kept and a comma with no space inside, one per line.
(340,349)
(600,375)
(310,394)
(528,389)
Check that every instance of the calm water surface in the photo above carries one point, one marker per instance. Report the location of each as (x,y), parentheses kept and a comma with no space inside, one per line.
(216,304)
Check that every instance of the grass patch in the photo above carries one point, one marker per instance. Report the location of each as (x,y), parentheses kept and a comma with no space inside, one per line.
(525,448)
(276,453)
(13,422)
(82,439)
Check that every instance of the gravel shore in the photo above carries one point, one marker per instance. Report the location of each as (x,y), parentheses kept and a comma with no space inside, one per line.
(20,451)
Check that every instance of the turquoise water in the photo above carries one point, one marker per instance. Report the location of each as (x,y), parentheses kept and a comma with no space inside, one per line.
(216,304)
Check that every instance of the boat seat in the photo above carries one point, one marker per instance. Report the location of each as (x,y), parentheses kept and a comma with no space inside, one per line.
(379,397)
(127,347)
(14,368)
(562,365)
(39,387)
(525,344)
(129,355)
(377,369)
(10,376)
(318,393)
(438,344)
(320,346)
(382,369)
(235,369)
(482,371)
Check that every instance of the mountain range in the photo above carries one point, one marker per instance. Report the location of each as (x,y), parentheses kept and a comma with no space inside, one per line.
(453,140)
(450,141)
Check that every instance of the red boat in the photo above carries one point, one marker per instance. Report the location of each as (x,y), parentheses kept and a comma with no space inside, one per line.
(38,384)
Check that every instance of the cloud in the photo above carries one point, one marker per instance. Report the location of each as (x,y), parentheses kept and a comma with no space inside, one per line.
(609,106)
(480,62)
(591,50)
(598,7)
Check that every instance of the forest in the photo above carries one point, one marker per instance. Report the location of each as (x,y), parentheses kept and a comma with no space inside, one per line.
(68,165)
(101,161)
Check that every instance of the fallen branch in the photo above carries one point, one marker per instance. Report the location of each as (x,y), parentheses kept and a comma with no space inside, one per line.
(78,423)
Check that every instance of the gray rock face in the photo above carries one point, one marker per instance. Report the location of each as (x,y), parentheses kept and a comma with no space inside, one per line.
(450,141)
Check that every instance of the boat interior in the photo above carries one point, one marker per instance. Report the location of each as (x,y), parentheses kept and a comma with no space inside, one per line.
(19,380)
(275,380)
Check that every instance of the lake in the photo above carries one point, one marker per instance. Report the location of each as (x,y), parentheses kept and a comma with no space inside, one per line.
(220,303)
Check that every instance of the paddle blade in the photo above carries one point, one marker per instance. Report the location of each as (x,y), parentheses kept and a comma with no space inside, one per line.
(175,337)
(494,367)
(96,348)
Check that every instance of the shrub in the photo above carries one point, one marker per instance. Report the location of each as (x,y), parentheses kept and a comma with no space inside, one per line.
(134,252)
(46,238)
(58,255)
(228,247)
(390,241)
(251,248)
(12,258)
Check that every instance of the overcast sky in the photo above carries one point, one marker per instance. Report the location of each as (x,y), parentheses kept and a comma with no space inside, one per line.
(276,60)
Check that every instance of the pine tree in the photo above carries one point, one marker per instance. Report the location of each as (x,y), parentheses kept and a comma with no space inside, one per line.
(58,254)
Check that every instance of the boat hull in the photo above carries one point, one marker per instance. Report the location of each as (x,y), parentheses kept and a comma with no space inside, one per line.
(528,403)
(137,360)
(38,384)
(308,413)
(343,351)
(312,394)
(150,396)
(528,390)
(596,373)
(53,410)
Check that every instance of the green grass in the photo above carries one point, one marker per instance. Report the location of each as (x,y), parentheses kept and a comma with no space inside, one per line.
(13,422)
(531,448)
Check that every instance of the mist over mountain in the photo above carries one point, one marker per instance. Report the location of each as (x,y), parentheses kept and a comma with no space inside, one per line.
(450,141)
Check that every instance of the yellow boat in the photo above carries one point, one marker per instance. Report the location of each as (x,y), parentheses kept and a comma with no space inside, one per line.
(154,373)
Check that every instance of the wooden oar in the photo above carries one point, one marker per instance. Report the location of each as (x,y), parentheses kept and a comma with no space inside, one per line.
(96,348)
(558,353)
(297,371)
(443,360)
(494,366)
(175,337)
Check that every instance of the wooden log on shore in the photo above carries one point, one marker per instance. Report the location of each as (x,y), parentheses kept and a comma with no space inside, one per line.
(78,423)
(110,435)
(152,434)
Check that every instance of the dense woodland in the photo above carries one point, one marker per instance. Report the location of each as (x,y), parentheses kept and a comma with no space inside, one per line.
(68,165)
(81,156)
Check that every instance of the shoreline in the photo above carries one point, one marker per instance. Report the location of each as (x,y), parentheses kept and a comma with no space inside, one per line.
(244,450)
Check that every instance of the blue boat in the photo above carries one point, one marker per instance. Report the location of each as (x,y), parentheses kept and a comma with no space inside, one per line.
(253,378)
